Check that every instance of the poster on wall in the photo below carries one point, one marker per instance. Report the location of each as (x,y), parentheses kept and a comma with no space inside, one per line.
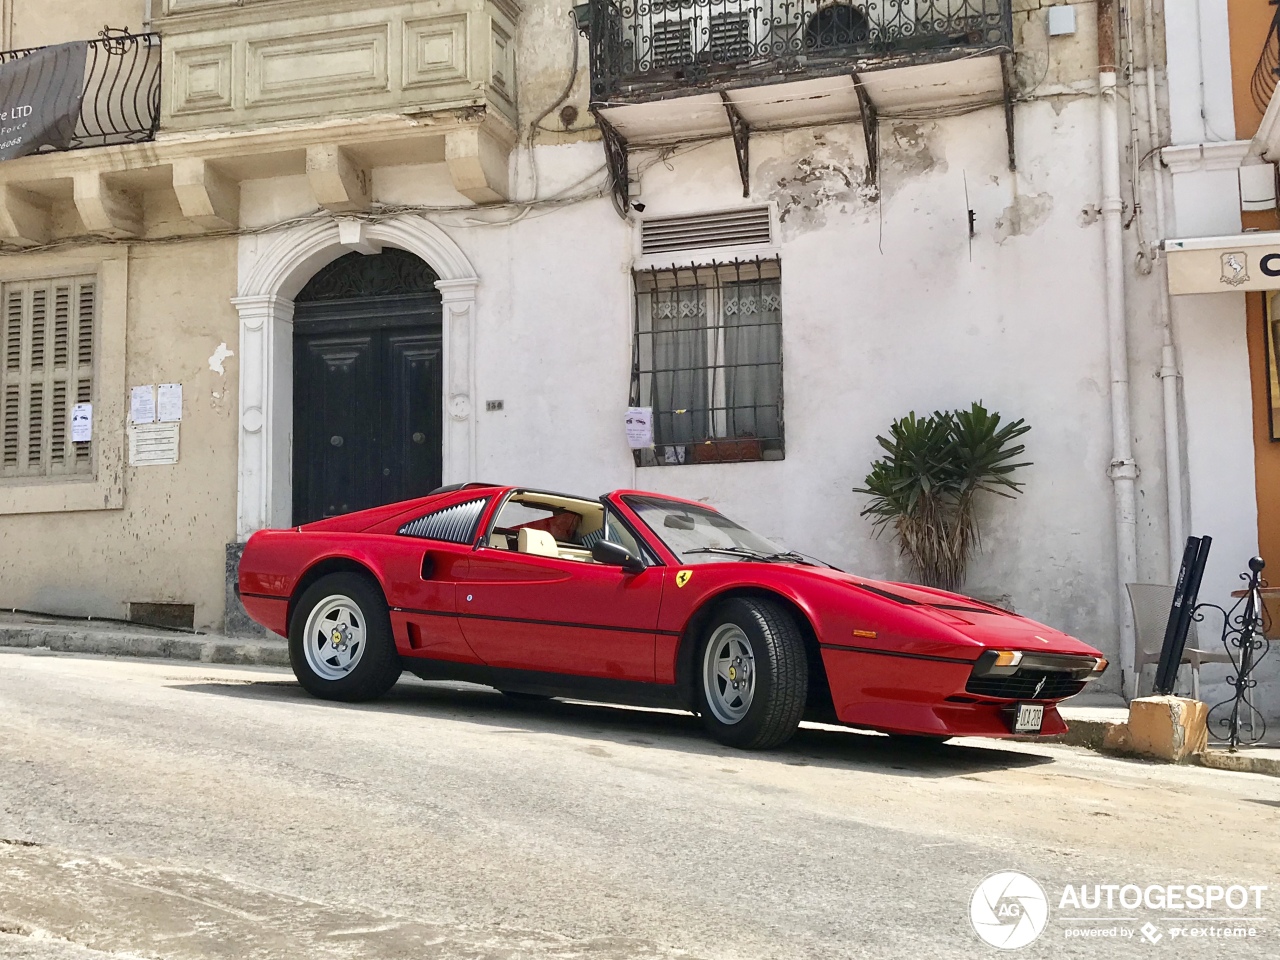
(142,404)
(82,423)
(640,427)
(41,94)
(169,403)
(153,444)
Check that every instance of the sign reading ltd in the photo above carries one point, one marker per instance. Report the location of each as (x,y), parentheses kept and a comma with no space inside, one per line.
(41,94)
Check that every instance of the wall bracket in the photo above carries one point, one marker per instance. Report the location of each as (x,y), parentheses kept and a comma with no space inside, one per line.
(1006,70)
(870,130)
(741,142)
(615,158)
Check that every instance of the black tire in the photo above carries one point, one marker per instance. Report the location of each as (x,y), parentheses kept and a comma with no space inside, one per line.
(379,665)
(781,675)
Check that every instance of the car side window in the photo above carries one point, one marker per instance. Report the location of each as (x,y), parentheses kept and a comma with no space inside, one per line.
(455,524)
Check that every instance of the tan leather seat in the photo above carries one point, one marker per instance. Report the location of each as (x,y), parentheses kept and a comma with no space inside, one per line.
(537,542)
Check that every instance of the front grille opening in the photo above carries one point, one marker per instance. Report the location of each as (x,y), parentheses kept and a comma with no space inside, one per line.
(1026,686)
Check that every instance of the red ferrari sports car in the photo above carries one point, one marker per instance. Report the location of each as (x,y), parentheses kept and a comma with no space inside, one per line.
(645,599)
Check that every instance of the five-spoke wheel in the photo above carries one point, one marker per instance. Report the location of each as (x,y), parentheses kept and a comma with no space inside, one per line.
(340,642)
(755,674)
(334,638)
(729,673)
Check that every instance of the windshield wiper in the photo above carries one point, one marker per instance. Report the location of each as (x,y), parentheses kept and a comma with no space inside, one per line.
(749,554)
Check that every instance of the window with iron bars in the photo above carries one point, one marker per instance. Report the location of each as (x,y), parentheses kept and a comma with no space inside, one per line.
(708,360)
(46,367)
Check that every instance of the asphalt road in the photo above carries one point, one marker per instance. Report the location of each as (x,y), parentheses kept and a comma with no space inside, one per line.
(162,809)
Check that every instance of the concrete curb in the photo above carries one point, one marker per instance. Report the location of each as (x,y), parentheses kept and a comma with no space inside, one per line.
(204,649)
(1239,762)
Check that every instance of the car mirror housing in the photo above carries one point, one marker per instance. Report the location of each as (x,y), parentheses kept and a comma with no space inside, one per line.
(616,555)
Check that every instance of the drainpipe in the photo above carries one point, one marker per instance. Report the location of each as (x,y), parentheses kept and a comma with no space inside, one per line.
(1123,471)
(1168,352)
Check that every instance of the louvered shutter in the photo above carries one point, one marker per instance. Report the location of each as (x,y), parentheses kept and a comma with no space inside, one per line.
(47,369)
(730,229)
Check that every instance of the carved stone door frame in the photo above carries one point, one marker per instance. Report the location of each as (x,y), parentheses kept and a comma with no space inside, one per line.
(273,269)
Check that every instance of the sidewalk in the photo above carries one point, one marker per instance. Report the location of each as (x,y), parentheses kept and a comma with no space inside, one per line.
(114,639)
(1089,715)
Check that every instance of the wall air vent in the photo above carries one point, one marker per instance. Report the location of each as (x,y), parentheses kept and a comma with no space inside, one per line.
(730,229)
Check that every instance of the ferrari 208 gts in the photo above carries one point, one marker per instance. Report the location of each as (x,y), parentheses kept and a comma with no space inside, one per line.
(646,599)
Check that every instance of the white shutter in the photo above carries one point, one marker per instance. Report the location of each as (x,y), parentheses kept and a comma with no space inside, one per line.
(47,368)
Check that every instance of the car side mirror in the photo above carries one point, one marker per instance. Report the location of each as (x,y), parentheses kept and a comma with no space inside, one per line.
(616,555)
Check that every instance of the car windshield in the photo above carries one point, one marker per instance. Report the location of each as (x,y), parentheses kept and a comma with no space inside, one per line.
(699,535)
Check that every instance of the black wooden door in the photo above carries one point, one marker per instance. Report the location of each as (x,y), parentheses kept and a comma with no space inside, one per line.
(368,400)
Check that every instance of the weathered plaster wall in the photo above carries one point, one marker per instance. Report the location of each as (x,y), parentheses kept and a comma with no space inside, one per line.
(167,543)
(34,26)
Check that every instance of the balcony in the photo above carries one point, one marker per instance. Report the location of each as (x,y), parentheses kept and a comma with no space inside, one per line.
(233,91)
(120,101)
(669,70)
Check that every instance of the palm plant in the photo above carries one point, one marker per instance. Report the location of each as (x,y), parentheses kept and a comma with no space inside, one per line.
(925,487)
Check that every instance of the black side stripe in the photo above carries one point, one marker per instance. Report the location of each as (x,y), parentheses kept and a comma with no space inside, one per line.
(263,596)
(894,653)
(530,620)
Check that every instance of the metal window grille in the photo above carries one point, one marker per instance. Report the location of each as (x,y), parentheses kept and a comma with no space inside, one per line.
(47,369)
(708,360)
(456,524)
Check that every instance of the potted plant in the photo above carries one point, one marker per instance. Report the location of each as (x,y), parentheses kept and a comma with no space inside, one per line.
(925,487)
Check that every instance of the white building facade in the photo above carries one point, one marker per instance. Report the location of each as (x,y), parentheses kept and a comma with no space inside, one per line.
(916,211)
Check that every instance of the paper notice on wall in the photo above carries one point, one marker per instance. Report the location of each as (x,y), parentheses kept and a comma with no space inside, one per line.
(153,444)
(82,423)
(640,427)
(142,404)
(169,405)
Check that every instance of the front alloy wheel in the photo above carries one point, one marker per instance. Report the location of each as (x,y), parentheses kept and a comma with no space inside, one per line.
(754,678)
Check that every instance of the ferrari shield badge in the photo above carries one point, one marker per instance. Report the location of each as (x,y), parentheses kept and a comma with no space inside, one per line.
(683,577)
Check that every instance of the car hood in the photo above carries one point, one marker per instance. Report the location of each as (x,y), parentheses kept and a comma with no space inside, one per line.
(975,620)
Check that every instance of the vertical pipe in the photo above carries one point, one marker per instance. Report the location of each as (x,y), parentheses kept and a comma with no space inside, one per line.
(1168,351)
(1123,471)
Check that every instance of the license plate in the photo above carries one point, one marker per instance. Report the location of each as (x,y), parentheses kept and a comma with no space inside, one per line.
(1029,718)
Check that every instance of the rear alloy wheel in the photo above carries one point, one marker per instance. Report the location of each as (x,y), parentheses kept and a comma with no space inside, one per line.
(340,641)
(753,676)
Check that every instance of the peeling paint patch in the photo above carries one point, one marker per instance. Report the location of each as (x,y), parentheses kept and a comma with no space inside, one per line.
(1090,215)
(820,181)
(910,149)
(1025,215)
(219,357)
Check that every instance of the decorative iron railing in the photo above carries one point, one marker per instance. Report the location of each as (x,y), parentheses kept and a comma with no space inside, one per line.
(1245,626)
(640,48)
(1265,73)
(121,102)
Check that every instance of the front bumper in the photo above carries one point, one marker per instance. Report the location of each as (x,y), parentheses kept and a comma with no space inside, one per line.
(949,697)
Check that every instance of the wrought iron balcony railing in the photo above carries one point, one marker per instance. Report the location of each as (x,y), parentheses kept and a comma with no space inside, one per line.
(121,101)
(1265,73)
(646,48)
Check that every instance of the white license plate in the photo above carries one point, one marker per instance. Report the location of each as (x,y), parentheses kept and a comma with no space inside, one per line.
(1029,719)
